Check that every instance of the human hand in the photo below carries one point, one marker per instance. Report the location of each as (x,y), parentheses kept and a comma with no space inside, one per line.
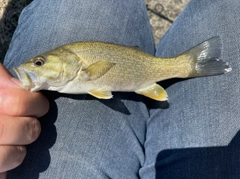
(19,110)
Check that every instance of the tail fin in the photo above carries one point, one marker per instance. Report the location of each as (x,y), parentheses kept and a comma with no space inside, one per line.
(206,58)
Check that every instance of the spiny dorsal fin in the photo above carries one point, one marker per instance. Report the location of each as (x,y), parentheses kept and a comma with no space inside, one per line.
(155,92)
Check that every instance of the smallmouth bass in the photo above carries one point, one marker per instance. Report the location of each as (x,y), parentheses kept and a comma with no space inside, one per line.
(98,68)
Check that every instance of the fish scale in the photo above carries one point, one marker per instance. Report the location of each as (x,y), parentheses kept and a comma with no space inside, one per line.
(98,68)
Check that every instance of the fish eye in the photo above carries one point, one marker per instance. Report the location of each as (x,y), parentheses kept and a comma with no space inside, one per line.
(39,61)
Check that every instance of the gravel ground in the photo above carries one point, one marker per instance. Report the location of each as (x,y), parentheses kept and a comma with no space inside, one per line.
(9,13)
(161,13)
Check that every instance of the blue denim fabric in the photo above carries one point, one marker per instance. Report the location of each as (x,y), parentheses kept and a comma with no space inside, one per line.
(128,136)
(199,132)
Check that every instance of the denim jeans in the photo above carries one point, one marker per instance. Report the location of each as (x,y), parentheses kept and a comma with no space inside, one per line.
(129,136)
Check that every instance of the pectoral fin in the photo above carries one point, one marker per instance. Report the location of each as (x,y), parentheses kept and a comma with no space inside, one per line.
(98,69)
(101,94)
(155,92)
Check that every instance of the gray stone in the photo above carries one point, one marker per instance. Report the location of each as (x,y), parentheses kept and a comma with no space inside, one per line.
(162,14)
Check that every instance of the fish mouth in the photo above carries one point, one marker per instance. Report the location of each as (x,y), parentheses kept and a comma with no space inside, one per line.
(24,77)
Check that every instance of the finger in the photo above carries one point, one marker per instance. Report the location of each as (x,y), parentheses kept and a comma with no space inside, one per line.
(7,80)
(19,102)
(3,175)
(18,130)
(11,157)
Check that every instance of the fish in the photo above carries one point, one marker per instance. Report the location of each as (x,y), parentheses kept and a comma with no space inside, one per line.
(100,68)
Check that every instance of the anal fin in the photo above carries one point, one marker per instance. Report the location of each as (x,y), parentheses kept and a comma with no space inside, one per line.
(101,94)
(155,92)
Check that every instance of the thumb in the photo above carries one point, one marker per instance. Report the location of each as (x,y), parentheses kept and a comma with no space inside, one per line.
(7,80)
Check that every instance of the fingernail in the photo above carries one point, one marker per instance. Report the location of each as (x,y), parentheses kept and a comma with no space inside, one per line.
(36,129)
(22,149)
(20,155)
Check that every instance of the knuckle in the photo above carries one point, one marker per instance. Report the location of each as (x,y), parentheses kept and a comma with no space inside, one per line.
(11,102)
(2,165)
(33,129)
(12,156)
(20,105)
(21,153)
(18,130)
(18,102)
(2,131)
